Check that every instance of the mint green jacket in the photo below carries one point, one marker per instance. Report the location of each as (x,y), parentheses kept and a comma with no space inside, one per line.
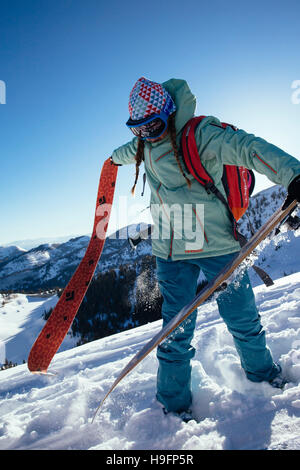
(189,222)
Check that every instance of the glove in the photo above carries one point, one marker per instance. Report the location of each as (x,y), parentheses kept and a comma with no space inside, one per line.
(293,192)
(113,163)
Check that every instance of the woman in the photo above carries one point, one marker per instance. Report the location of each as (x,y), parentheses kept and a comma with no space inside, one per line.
(158,114)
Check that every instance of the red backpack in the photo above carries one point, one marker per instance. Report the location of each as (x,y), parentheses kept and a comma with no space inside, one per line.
(238,181)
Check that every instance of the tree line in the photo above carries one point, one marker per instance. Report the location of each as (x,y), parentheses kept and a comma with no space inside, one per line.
(118,300)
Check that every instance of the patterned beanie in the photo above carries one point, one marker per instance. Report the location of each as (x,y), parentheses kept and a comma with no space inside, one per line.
(148,98)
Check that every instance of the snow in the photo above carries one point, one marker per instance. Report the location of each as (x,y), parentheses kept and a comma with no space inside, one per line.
(21,320)
(55,412)
(279,256)
(10,252)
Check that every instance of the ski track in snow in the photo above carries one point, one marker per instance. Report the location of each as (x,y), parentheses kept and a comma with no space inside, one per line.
(39,412)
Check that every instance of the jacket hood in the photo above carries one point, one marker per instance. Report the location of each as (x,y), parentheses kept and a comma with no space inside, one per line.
(184,99)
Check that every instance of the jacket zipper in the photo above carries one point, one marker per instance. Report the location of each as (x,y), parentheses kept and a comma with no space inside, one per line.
(157,191)
(172,230)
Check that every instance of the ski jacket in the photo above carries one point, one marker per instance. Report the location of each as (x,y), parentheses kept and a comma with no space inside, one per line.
(190,222)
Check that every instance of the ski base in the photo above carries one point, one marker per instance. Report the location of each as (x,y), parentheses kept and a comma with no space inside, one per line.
(61,319)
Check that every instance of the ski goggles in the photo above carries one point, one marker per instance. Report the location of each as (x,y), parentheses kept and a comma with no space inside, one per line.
(151,127)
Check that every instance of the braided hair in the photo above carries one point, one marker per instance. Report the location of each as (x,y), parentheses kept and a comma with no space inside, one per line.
(139,157)
(172,134)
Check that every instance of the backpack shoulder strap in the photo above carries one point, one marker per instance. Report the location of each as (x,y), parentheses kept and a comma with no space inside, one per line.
(193,163)
(192,158)
(190,152)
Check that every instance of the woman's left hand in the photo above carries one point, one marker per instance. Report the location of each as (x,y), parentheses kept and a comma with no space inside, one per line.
(293,192)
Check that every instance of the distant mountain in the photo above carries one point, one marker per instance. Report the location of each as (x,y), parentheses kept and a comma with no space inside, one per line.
(262,205)
(10,252)
(279,255)
(52,265)
(30,243)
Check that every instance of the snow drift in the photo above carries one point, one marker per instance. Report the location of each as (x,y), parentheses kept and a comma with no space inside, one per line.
(230,412)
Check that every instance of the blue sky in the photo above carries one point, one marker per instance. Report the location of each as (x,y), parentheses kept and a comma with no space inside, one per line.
(69,66)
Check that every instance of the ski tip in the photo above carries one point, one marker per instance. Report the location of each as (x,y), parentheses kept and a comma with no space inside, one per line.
(37,364)
(44,372)
(97,410)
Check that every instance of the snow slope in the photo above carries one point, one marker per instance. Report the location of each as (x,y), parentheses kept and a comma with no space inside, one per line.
(10,252)
(38,412)
(21,320)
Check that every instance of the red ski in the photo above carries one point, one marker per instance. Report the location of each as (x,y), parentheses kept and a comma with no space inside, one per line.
(60,320)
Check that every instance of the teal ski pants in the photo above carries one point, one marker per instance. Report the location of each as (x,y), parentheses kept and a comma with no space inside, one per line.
(178,284)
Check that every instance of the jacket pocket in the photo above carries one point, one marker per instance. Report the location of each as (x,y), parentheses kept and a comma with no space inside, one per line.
(166,169)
